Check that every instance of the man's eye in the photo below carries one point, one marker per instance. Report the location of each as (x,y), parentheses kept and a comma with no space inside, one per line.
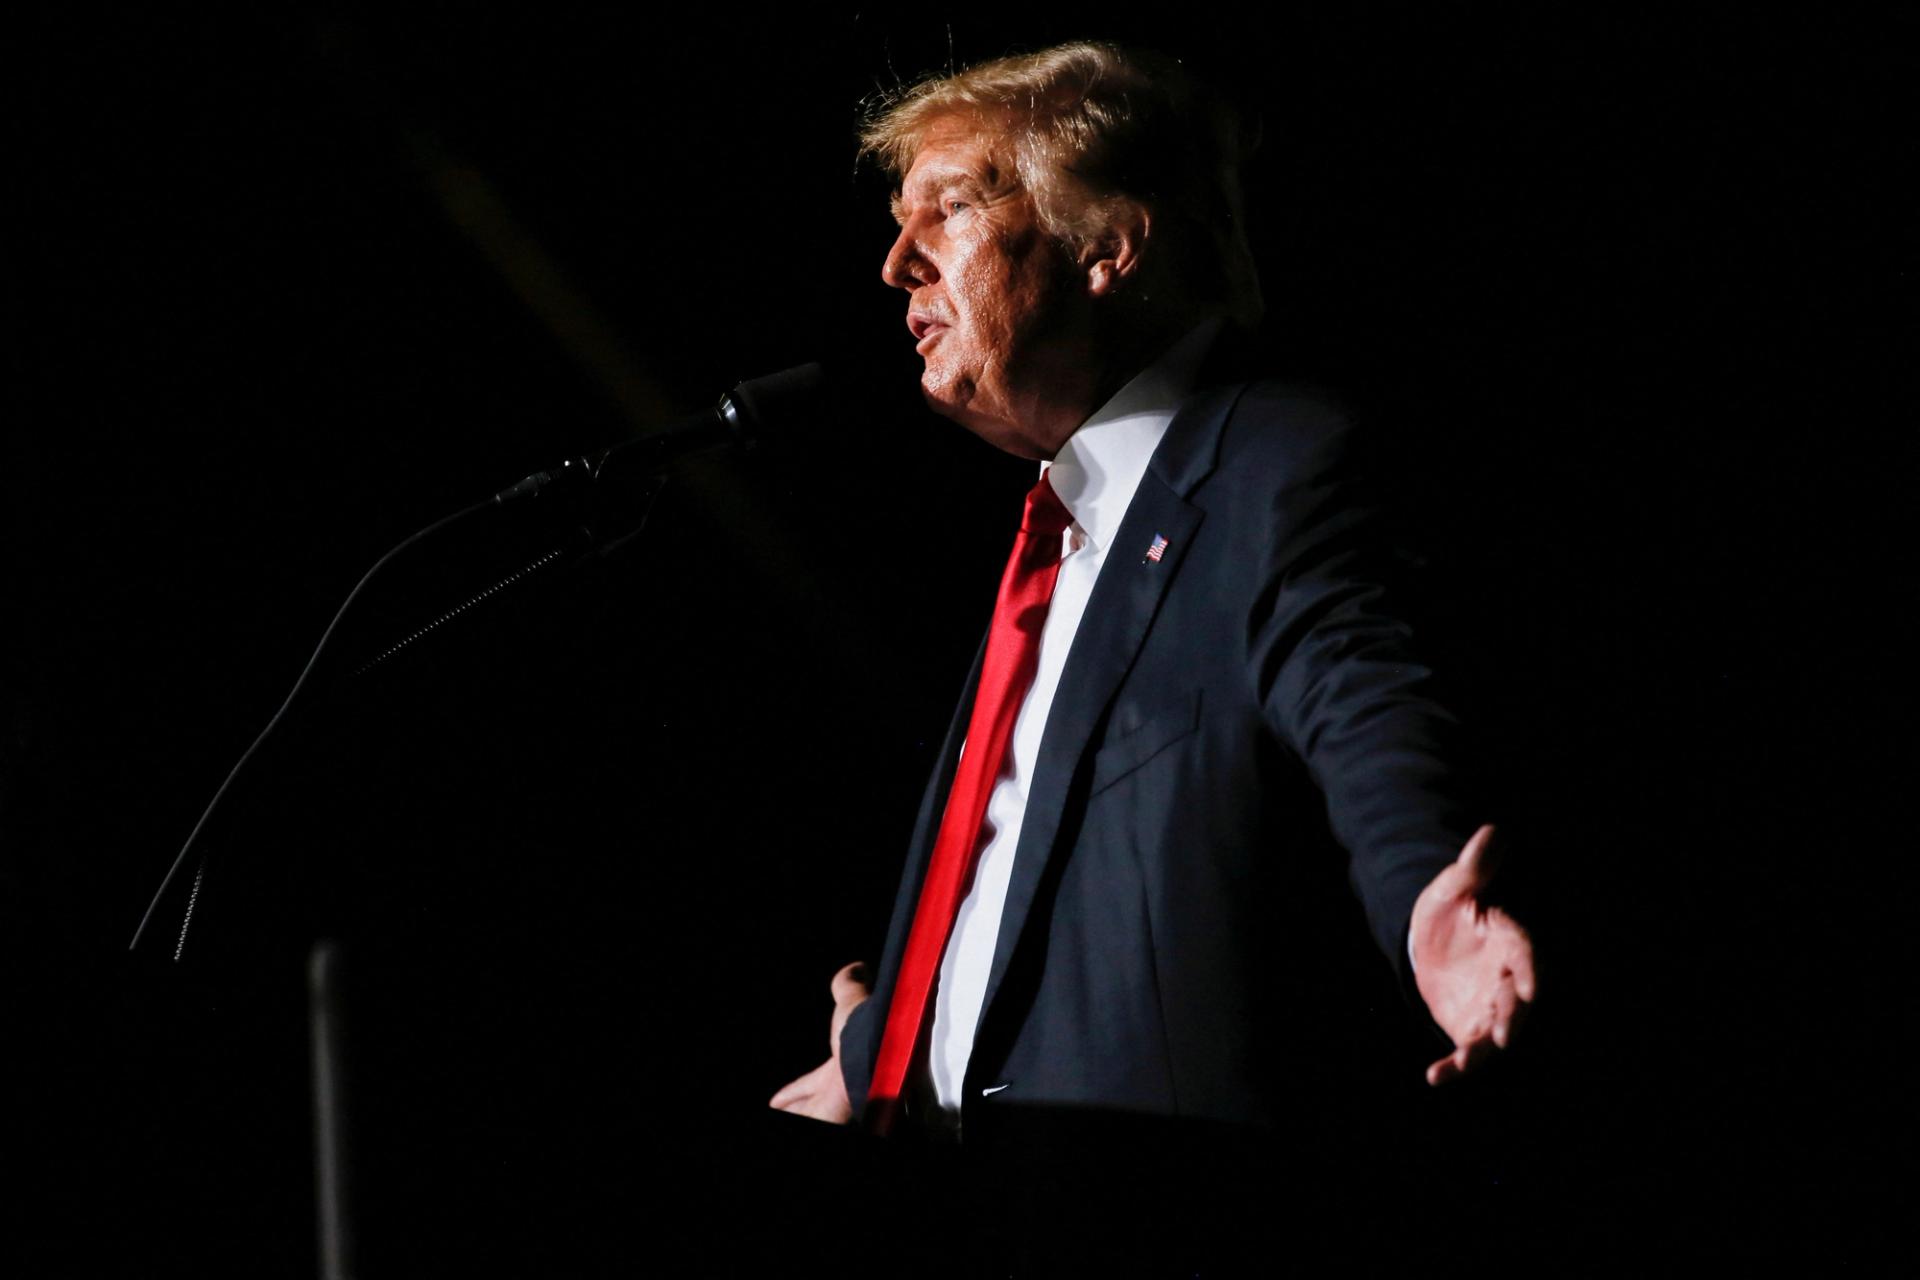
(955,206)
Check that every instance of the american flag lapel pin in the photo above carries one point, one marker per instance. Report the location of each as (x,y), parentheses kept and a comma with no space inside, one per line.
(1158,549)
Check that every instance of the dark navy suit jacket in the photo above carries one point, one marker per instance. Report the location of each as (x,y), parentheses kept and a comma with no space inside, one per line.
(1221,709)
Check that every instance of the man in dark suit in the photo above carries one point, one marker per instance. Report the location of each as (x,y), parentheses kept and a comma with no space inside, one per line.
(1212,674)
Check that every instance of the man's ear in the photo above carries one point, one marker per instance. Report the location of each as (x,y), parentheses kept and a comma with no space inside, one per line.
(1112,262)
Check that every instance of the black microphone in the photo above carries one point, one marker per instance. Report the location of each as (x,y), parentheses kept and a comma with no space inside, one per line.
(738,419)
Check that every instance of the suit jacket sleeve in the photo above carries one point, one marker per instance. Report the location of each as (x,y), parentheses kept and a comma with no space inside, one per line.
(1334,664)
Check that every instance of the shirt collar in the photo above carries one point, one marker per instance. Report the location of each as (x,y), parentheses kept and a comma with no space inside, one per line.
(1099,467)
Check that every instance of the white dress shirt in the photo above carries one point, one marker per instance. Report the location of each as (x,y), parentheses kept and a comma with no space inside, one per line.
(1095,475)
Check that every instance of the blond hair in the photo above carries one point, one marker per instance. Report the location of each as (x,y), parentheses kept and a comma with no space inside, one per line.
(1089,127)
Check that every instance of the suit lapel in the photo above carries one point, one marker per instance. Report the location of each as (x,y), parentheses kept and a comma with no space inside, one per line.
(1125,599)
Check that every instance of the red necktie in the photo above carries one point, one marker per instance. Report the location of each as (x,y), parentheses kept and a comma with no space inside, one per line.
(1013,651)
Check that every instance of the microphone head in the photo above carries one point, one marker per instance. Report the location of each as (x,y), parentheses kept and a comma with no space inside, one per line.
(759,401)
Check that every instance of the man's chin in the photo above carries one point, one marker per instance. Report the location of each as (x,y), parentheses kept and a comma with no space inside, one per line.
(957,402)
(946,395)
(1002,435)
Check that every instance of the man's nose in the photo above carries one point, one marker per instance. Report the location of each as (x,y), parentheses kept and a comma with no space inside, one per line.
(907,265)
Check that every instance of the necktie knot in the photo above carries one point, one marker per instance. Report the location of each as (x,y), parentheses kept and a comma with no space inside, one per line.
(1045,513)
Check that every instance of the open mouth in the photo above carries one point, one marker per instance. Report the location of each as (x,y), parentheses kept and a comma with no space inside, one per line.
(925,329)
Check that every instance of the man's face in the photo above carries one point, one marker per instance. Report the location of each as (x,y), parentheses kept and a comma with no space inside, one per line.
(996,306)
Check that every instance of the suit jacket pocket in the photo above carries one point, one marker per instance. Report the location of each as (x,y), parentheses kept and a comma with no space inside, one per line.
(1121,756)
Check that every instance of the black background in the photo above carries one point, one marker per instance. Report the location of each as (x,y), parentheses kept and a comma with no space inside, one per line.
(1634,297)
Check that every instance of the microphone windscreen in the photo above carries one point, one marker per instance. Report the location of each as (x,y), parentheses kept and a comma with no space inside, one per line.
(770,398)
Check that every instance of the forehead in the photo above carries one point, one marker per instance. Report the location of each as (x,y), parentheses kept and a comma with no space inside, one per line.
(958,148)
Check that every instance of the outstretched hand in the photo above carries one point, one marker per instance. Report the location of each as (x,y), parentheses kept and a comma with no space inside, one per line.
(822,1092)
(1472,963)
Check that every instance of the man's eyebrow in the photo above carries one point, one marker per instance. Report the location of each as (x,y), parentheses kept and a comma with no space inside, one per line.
(933,181)
(954,176)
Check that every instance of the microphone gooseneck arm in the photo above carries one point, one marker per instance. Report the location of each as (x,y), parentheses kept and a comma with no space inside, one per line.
(622,476)
(293,697)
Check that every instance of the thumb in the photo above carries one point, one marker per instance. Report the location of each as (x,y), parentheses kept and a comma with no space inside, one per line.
(852,984)
(1478,861)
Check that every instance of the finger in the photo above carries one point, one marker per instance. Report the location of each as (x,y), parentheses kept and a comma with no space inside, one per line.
(1518,1019)
(1476,861)
(1505,1002)
(790,1095)
(1520,961)
(799,1091)
(1468,1056)
(810,1106)
(1516,951)
(1448,1068)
